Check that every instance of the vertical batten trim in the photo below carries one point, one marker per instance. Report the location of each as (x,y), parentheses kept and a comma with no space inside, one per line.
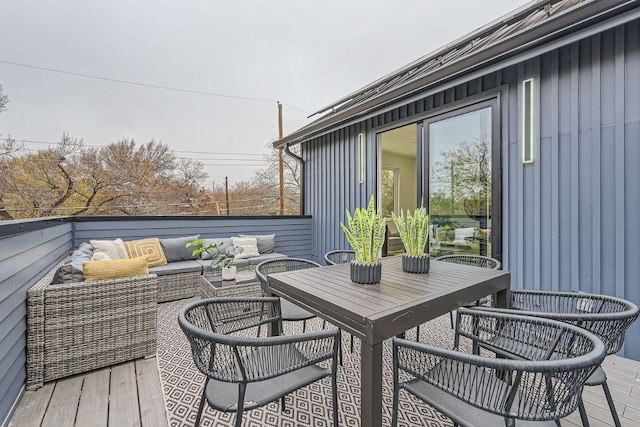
(555,168)
(537,205)
(361,158)
(619,161)
(575,171)
(596,166)
(521,255)
(504,107)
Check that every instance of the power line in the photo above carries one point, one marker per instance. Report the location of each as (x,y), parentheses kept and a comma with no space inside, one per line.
(30,141)
(108,79)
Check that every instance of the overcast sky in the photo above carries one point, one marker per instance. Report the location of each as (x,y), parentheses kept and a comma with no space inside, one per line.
(305,54)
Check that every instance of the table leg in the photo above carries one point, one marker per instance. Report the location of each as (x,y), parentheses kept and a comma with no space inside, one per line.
(371,384)
(503,298)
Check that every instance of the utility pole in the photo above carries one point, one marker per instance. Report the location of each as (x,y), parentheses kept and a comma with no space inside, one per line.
(280,160)
(226,190)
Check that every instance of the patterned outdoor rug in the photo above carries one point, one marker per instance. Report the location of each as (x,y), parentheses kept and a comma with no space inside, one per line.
(310,406)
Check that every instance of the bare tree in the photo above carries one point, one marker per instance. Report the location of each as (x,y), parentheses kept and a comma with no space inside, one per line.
(268,179)
(4,100)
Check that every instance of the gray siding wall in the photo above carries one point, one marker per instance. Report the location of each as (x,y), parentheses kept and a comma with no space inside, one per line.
(24,258)
(293,234)
(570,219)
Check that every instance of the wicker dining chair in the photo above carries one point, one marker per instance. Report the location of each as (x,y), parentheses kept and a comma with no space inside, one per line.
(478,391)
(606,317)
(474,261)
(290,311)
(244,372)
(339,257)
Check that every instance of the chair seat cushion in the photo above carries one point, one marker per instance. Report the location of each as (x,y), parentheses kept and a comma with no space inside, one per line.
(292,312)
(263,257)
(223,396)
(177,267)
(462,412)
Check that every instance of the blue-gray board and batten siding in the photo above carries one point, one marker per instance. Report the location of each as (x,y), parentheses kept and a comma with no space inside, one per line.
(30,248)
(571,219)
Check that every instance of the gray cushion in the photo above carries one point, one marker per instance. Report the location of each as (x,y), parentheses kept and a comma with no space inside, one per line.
(71,270)
(227,242)
(176,249)
(266,242)
(177,267)
(86,248)
(264,257)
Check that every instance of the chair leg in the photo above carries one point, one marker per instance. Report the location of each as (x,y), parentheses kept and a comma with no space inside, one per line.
(394,411)
(583,413)
(418,333)
(304,326)
(201,407)
(334,396)
(242,388)
(451,319)
(351,347)
(283,404)
(612,407)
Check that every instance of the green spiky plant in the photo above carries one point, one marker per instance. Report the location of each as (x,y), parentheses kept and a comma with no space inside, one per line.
(218,259)
(365,232)
(414,230)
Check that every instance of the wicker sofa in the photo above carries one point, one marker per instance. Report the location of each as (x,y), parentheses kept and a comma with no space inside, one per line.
(78,327)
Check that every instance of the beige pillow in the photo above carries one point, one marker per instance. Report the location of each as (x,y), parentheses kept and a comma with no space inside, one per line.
(149,247)
(114,249)
(249,247)
(113,269)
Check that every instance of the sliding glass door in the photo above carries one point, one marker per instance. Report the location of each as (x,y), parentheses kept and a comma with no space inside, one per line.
(459,168)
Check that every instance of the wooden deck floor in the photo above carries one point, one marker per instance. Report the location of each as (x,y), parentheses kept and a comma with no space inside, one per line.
(128,394)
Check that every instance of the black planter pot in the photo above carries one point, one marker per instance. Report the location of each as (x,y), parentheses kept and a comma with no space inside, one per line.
(366,273)
(415,263)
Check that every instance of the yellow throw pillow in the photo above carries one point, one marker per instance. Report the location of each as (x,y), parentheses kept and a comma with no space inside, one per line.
(114,268)
(149,247)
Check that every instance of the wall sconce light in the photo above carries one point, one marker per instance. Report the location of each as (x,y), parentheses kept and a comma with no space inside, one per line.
(527,121)
(361,158)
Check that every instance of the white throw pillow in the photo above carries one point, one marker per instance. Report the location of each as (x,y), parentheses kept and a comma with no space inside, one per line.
(114,249)
(249,247)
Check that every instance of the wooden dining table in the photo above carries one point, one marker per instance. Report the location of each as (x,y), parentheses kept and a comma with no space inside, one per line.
(374,313)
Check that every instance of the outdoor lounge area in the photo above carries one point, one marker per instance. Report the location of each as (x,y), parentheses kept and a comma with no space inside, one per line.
(164,387)
(177,383)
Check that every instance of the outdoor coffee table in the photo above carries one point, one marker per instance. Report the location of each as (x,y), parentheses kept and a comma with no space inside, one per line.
(246,284)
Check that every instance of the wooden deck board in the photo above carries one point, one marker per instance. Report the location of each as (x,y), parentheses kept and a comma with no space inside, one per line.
(64,402)
(94,401)
(57,402)
(150,397)
(123,403)
(32,407)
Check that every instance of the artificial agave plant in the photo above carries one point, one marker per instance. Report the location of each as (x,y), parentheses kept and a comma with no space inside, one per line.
(414,230)
(365,232)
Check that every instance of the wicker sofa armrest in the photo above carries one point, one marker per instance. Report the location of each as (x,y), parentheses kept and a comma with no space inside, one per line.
(77,327)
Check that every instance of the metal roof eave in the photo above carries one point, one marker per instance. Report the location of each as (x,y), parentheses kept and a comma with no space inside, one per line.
(571,20)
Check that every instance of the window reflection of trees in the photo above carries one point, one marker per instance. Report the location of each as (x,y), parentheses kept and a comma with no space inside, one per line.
(461,180)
